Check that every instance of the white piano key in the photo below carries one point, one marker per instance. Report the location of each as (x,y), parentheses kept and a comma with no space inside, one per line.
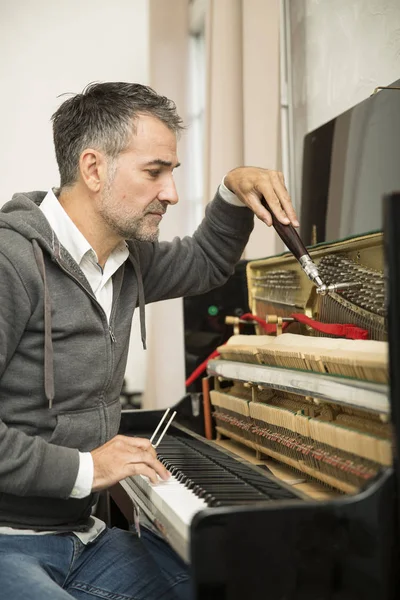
(173,500)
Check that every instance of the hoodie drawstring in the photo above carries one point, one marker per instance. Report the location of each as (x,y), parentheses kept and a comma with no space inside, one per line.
(141,299)
(48,341)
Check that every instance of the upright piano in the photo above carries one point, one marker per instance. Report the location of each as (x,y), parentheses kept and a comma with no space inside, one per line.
(296,495)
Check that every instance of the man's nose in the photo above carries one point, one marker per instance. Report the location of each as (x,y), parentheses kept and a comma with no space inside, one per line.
(168,192)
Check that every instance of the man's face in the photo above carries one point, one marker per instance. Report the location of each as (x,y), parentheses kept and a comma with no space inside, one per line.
(140,183)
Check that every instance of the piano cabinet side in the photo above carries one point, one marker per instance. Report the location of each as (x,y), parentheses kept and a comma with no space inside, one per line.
(121,513)
(340,549)
(337,550)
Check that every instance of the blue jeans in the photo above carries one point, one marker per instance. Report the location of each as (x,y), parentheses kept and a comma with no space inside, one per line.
(116,566)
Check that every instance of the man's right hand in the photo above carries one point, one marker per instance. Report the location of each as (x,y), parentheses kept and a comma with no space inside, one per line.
(125,456)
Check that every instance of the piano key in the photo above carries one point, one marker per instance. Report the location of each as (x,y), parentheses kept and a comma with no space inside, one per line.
(174,500)
(202,477)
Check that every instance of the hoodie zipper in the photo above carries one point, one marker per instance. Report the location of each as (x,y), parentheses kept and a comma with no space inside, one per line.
(109,327)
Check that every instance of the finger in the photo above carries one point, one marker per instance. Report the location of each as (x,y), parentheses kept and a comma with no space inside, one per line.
(268,192)
(161,470)
(145,457)
(284,198)
(253,201)
(141,469)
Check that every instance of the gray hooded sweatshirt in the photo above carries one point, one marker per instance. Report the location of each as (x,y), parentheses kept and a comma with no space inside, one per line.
(62,363)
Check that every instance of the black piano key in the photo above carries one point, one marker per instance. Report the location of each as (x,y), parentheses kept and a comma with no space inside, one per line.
(215,476)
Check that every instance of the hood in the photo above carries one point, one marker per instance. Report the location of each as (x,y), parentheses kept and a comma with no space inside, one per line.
(22,214)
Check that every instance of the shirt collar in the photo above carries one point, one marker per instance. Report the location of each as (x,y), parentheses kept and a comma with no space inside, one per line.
(69,235)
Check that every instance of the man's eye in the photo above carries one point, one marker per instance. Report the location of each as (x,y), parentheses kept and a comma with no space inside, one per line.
(154,173)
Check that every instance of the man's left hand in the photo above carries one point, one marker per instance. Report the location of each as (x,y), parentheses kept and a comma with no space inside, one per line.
(251,184)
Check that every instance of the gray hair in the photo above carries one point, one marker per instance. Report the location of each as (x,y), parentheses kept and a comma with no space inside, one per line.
(103,117)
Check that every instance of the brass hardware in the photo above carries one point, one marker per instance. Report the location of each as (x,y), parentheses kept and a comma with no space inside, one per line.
(235,321)
(270,319)
(279,326)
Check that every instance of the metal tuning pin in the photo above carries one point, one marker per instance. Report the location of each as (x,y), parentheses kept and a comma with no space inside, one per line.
(155,444)
(323,290)
(292,240)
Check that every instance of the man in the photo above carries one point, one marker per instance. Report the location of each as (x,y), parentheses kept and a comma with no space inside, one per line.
(75,263)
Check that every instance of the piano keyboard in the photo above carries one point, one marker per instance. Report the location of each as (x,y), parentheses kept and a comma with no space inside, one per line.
(203,477)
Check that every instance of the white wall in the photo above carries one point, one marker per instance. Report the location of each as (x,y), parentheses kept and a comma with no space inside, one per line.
(48,48)
(340,51)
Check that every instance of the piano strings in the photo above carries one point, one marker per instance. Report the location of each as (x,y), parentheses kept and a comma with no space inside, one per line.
(278,286)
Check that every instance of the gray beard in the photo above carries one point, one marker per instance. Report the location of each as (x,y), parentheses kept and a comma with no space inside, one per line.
(134,228)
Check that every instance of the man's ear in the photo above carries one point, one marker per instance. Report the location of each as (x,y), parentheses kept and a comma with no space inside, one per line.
(93,169)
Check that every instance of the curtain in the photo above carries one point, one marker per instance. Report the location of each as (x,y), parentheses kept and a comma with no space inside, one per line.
(243,98)
(242,128)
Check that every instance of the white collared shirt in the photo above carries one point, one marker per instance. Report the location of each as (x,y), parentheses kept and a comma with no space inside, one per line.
(83,254)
